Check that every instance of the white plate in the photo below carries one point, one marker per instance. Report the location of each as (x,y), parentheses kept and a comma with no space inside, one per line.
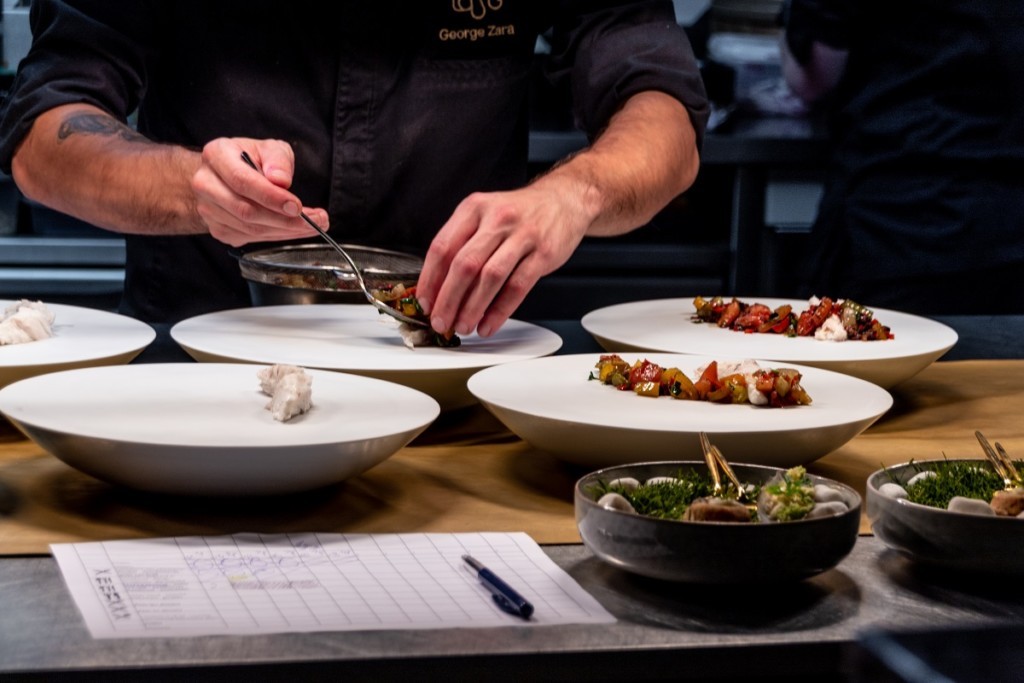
(204,429)
(82,337)
(550,403)
(356,338)
(666,325)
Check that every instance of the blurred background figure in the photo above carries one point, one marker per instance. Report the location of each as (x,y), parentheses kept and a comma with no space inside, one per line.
(923,209)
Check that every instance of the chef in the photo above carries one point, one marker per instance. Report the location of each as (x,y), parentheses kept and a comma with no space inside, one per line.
(401,126)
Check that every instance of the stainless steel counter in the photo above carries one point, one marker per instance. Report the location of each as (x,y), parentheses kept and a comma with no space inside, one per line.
(805,631)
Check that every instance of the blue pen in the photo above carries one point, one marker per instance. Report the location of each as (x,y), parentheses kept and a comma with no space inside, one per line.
(504,595)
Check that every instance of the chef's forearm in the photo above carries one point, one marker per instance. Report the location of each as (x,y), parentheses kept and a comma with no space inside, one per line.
(79,160)
(644,158)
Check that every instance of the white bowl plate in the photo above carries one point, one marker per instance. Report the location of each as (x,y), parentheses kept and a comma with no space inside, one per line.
(666,325)
(550,403)
(355,338)
(203,428)
(82,337)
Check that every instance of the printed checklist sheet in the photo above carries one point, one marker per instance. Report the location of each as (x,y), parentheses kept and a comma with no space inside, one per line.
(275,583)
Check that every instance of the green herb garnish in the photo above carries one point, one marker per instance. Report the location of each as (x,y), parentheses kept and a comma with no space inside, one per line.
(793,495)
(968,480)
(668,499)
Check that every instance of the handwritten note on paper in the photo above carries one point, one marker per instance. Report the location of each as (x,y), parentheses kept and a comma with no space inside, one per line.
(275,583)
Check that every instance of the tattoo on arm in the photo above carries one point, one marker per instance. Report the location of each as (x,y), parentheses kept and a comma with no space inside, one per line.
(97,124)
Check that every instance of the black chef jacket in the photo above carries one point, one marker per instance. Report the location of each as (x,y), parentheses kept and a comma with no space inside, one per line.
(924,202)
(396,111)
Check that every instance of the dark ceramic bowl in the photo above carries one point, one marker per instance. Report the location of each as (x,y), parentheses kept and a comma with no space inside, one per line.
(713,552)
(940,538)
(305,273)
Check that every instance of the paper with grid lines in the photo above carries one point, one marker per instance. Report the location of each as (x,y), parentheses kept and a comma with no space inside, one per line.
(276,583)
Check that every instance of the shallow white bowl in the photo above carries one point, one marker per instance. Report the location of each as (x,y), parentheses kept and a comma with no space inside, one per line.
(82,337)
(939,538)
(355,338)
(549,403)
(203,429)
(666,325)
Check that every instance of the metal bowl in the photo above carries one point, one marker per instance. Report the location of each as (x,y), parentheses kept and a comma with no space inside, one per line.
(713,552)
(940,538)
(305,273)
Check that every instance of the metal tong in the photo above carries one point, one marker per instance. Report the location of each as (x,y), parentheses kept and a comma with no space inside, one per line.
(1001,462)
(715,460)
(380,305)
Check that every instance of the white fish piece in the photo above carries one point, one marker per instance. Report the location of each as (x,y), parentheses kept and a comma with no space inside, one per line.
(37,306)
(26,321)
(269,377)
(747,367)
(831,330)
(290,389)
(414,336)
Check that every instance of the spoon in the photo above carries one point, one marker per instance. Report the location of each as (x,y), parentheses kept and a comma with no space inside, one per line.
(377,303)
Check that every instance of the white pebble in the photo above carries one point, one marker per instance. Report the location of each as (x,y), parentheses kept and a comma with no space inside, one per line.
(662,480)
(613,501)
(891,490)
(627,483)
(970,506)
(833,507)
(828,494)
(921,476)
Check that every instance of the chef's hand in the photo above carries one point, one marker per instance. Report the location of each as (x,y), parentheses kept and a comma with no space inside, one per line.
(240,205)
(493,250)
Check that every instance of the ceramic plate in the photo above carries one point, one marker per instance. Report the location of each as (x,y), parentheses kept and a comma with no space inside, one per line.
(666,325)
(939,538)
(204,429)
(705,552)
(356,338)
(82,337)
(549,403)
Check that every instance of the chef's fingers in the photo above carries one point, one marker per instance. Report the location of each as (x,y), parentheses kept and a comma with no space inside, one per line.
(230,229)
(457,255)
(223,158)
(276,159)
(492,300)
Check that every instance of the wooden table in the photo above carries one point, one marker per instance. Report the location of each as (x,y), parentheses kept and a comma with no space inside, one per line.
(468,473)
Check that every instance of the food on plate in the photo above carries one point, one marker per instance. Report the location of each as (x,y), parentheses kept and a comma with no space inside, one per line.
(959,486)
(26,321)
(690,496)
(825,319)
(791,495)
(290,389)
(744,382)
(403,299)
